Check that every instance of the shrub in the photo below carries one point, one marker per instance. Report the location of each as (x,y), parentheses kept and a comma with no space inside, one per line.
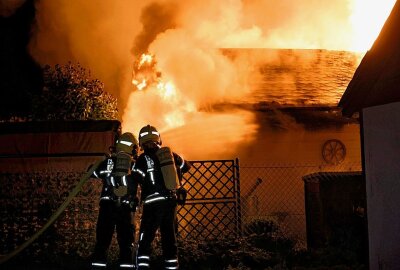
(264,247)
(266,235)
(70,94)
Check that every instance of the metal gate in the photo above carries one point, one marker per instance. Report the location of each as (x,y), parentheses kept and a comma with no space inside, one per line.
(212,208)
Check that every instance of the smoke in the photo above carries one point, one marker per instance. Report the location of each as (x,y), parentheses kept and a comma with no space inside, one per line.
(8,7)
(310,24)
(186,37)
(188,50)
(97,34)
(212,136)
(202,76)
(155,19)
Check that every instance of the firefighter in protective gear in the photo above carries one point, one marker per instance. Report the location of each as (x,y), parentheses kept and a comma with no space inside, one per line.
(118,203)
(158,196)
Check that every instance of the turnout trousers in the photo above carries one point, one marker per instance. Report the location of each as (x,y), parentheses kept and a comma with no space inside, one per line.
(158,215)
(114,218)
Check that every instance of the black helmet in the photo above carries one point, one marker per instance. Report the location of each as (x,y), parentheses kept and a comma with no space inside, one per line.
(126,142)
(149,134)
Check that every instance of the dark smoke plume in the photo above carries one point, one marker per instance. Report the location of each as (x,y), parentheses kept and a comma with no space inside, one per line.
(156,18)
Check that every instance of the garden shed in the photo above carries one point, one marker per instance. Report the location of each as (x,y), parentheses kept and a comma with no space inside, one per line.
(27,147)
(335,212)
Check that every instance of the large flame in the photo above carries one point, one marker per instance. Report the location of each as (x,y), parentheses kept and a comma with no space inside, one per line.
(147,77)
(144,72)
(179,97)
(367,19)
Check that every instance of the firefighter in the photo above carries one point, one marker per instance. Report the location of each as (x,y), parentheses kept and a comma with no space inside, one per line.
(159,171)
(118,203)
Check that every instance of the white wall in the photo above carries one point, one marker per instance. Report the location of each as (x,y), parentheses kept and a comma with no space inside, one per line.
(300,146)
(382,167)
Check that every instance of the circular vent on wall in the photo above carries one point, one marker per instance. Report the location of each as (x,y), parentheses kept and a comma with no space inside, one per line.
(333,152)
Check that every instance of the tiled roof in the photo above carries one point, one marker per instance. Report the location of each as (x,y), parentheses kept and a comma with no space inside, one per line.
(377,79)
(297,78)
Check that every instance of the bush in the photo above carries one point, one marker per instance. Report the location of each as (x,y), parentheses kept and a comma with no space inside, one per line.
(70,94)
(264,247)
(228,253)
(266,235)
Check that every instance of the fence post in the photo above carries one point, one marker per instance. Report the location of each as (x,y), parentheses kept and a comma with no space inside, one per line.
(239,203)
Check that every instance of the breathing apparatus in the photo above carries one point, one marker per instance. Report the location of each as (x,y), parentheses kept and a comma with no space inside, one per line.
(125,151)
(164,154)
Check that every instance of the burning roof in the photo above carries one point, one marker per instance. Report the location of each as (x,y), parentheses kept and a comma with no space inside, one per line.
(297,78)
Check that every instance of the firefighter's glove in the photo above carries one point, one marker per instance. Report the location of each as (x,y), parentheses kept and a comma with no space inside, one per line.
(181,194)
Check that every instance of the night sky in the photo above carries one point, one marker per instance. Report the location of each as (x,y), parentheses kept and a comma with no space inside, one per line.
(20,76)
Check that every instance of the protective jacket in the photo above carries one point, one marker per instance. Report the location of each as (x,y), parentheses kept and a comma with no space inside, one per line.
(147,172)
(112,184)
(117,202)
(159,207)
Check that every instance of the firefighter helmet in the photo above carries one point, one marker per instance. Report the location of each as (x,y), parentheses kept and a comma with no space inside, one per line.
(149,134)
(126,142)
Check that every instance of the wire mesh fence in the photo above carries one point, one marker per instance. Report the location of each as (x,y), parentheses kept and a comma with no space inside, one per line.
(28,200)
(276,192)
(224,198)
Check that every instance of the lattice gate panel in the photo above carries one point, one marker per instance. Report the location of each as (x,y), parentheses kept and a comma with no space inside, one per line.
(212,209)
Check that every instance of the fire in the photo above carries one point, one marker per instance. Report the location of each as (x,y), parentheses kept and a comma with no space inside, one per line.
(367,20)
(145,59)
(167,90)
(144,72)
(174,118)
(140,85)
(172,106)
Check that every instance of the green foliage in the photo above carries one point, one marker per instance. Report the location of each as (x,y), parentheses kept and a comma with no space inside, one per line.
(70,94)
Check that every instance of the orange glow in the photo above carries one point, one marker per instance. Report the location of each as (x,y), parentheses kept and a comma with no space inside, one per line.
(168,103)
(174,119)
(211,135)
(144,72)
(367,19)
(167,90)
(140,85)
(145,59)
(186,73)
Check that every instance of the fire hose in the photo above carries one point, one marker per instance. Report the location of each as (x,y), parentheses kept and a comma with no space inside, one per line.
(53,218)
